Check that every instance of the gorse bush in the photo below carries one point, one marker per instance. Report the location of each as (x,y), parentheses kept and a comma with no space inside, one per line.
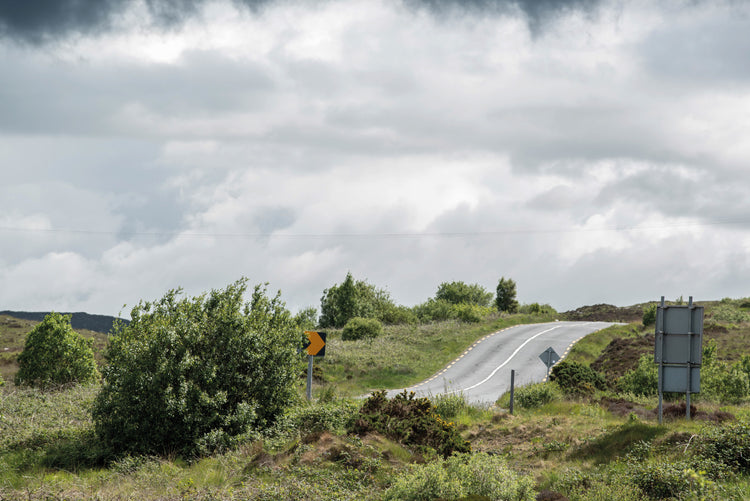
(481,475)
(411,421)
(575,378)
(190,376)
(361,328)
(54,354)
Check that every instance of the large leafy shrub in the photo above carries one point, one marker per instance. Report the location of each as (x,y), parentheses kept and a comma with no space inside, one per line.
(575,378)
(361,328)
(479,475)
(411,421)
(192,375)
(54,354)
(341,303)
(649,314)
(462,293)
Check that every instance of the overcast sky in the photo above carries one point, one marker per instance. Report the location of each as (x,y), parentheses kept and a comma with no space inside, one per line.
(593,151)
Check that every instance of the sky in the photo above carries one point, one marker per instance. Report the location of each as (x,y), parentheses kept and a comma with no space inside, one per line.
(592,151)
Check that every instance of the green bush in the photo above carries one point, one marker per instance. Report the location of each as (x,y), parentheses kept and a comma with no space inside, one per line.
(728,445)
(724,383)
(341,303)
(361,328)
(435,310)
(649,315)
(54,354)
(411,421)
(462,293)
(333,416)
(537,309)
(575,378)
(478,475)
(2,381)
(535,395)
(470,313)
(643,380)
(193,375)
(661,480)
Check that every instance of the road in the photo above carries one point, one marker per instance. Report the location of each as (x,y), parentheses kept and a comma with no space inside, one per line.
(482,373)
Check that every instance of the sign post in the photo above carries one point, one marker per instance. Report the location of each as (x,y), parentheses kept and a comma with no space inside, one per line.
(550,358)
(678,350)
(315,347)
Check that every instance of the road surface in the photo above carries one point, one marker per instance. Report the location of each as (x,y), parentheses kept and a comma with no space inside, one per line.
(482,373)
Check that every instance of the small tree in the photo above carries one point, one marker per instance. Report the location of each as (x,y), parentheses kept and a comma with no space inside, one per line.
(341,303)
(194,375)
(462,293)
(506,296)
(54,354)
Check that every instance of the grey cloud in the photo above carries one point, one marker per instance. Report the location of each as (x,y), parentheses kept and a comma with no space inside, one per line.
(44,21)
(696,51)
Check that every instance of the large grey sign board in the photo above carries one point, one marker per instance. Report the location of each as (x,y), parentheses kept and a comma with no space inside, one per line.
(679,335)
(675,379)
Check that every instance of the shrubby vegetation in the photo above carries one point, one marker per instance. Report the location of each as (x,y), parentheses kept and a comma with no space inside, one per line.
(462,293)
(54,354)
(361,328)
(649,315)
(341,303)
(411,421)
(536,395)
(192,375)
(463,475)
(575,378)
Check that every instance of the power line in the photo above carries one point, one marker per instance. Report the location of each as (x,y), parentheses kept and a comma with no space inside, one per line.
(376,235)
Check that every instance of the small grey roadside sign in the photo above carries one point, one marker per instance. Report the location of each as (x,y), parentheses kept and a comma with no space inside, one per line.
(549,357)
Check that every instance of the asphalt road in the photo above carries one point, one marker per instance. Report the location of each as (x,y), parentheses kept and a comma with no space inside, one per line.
(482,373)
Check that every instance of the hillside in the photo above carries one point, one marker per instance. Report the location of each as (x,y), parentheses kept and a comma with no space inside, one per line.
(79,320)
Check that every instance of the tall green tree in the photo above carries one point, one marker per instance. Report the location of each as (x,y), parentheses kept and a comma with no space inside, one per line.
(355,298)
(55,354)
(462,293)
(193,375)
(505,298)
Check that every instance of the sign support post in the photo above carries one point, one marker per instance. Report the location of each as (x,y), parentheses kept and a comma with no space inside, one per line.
(315,347)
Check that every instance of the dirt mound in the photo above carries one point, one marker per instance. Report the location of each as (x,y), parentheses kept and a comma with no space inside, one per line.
(606,313)
(622,354)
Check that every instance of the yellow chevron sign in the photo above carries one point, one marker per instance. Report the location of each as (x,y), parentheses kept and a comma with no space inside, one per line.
(317,343)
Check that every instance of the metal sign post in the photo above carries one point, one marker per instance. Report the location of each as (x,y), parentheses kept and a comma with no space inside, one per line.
(678,350)
(550,358)
(315,347)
